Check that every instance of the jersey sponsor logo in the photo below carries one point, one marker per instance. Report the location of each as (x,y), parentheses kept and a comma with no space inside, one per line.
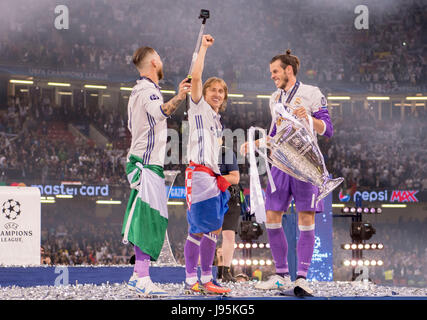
(154,97)
(279,121)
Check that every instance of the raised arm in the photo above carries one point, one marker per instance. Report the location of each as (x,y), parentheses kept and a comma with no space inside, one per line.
(196,74)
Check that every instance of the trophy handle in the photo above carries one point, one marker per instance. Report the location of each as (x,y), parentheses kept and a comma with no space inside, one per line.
(308,125)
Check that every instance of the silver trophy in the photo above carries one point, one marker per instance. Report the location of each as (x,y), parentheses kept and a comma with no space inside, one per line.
(295,151)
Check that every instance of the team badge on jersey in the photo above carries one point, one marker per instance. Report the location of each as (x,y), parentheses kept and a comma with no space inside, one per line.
(297,100)
(154,97)
(279,121)
(323,102)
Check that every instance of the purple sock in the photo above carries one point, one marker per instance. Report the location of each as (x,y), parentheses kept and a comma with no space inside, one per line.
(305,248)
(142,263)
(191,254)
(278,247)
(207,255)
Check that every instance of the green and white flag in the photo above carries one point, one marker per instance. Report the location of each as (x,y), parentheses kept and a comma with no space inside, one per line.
(146,217)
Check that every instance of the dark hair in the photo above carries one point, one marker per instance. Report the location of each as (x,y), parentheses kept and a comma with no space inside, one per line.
(287,60)
(140,54)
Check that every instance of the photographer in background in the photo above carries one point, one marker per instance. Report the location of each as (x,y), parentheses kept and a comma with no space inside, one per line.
(229,167)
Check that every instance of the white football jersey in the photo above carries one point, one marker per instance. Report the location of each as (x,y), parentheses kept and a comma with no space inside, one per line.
(299,95)
(147,122)
(205,133)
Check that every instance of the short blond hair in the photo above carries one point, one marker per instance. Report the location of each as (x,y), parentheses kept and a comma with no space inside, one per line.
(209,83)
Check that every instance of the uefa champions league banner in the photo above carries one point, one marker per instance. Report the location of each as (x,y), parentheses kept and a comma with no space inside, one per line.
(20,226)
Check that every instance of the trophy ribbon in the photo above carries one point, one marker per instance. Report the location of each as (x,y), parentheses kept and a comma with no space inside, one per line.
(256,198)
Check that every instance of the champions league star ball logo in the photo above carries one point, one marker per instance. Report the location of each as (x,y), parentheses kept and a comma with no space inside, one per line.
(11,209)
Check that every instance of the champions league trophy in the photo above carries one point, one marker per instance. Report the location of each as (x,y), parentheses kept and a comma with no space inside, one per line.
(295,151)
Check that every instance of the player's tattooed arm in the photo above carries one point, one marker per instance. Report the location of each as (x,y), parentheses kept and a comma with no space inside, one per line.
(173,104)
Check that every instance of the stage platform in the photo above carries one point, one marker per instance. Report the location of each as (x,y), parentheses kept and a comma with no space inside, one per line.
(109,283)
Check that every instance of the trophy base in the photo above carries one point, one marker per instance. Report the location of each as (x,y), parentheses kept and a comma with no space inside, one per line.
(328,187)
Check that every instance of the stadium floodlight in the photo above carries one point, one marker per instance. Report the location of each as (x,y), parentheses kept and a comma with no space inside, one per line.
(58,84)
(47,201)
(176,203)
(64,196)
(235,262)
(391,205)
(254,245)
(21,81)
(241,262)
(247,245)
(378,98)
(359,210)
(261,245)
(361,230)
(167,91)
(417,98)
(93,86)
(126,88)
(248,262)
(339,98)
(65,93)
(267,245)
(360,262)
(362,246)
(241,245)
(352,210)
(235,245)
(263,96)
(337,205)
(262,262)
(235,95)
(268,262)
(255,262)
(108,202)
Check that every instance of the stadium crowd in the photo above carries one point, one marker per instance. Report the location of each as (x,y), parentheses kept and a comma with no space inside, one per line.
(103,35)
(404,253)
(373,153)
